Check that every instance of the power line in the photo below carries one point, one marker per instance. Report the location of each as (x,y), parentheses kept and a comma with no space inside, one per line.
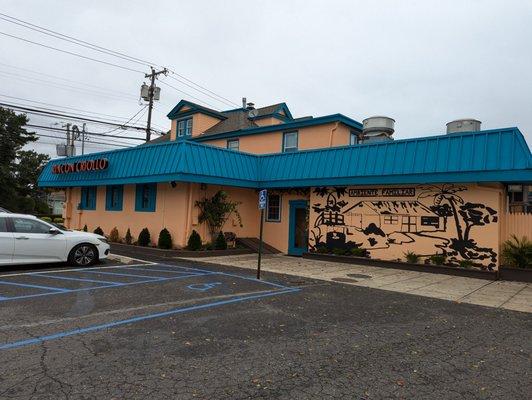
(71,53)
(189,95)
(107,144)
(114,53)
(86,133)
(68,116)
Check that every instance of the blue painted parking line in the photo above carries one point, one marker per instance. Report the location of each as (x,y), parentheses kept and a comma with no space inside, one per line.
(122,274)
(93,328)
(148,269)
(97,287)
(34,286)
(68,278)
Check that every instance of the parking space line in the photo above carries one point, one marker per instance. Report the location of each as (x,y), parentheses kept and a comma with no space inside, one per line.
(98,287)
(76,269)
(34,286)
(68,278)
(121,274)
(147,269)
(113,324)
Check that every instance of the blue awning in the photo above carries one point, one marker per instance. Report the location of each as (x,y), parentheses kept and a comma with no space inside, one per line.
(500,155)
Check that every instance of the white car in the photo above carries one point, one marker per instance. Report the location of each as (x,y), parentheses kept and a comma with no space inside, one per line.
(25,239)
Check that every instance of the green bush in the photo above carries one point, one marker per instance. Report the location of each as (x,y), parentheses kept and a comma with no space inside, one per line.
(194,241)
(467,264)
(358,252)
(208,246)
(128,238)
(220,243)
(144,237)
(85,229)
(411,257)
(165,239)
(59,220)
(517,253)
(114,236)
(339,252)
(322,249)
(438,259)
(46,219)
(98,231)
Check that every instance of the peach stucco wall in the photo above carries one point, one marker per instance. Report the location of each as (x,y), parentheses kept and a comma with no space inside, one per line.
(314,137)
(462,221)
(268,121)
(200,123)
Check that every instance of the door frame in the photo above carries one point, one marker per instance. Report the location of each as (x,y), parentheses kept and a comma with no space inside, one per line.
(293,205)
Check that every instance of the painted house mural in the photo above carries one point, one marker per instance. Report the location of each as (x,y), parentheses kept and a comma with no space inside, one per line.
(444,219)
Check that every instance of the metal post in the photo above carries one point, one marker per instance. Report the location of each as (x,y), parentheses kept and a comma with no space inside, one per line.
(260,241)
(83,140)
(151,91)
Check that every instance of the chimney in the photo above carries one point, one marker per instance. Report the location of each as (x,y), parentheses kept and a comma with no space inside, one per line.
(244,103)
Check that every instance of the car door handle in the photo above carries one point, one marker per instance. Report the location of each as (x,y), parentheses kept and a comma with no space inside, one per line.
(22,238)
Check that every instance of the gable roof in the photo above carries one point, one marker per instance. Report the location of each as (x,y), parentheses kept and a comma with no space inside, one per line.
(194,108)
(499,155)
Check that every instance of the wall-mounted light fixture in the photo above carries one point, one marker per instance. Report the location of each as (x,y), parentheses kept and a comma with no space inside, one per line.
(173,184)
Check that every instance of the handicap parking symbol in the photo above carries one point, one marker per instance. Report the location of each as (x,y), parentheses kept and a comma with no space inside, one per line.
(202,287)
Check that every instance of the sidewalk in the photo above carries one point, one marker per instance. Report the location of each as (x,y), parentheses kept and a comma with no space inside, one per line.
(500,294)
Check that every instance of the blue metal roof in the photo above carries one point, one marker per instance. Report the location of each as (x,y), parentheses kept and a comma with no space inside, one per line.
(500,155)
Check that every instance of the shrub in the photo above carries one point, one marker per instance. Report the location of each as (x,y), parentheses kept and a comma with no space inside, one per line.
(46,219)
(339,252)
(437,259)
(220,243)
(208,246)
(113,235)
(144,237)
(466,264)
(322,249)
(98,231)
(165,239)
(194,241)
(358,252)
(85,229)
(128,237)
(517,252)
(411,257)
(59,220)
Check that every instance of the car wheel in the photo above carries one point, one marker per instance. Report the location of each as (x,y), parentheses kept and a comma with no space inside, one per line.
(83,255)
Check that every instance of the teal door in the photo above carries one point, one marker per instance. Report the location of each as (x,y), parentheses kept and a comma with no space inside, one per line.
(298,227)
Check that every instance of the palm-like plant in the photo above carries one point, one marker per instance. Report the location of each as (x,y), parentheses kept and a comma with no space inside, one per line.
(517,252)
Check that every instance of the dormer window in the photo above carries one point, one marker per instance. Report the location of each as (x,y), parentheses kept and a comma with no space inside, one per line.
(184,127)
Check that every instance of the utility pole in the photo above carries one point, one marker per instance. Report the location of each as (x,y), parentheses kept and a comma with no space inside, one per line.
(151,91)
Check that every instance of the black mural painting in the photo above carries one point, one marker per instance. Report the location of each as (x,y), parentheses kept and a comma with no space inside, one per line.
(379,223)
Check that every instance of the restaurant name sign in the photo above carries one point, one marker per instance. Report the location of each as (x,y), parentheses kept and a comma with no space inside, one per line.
(384,192)
(99,164)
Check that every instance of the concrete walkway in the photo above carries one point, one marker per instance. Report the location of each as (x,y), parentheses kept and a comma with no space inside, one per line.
(502,294)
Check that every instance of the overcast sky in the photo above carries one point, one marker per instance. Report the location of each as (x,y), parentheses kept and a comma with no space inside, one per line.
(422,63)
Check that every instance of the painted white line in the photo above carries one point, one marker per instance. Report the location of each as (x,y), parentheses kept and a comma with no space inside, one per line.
(120,257)
(33,272)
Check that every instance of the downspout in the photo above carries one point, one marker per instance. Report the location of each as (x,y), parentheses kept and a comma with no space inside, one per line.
(332,133)
(188,215)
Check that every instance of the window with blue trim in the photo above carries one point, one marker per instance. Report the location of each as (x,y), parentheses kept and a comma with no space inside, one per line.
(273,208)
(233,144)
(114,197)
(88,198)
(145,197)
(184,127)
(289,142)
(354,138)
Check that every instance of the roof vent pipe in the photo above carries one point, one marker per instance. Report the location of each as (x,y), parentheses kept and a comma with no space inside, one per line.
(251,106)
(463,125)
(244,103)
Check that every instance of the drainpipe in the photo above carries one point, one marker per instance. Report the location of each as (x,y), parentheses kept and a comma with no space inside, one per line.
(188,215)
(332,133)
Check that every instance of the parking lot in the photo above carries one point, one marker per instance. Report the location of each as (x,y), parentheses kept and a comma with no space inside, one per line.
(177,329)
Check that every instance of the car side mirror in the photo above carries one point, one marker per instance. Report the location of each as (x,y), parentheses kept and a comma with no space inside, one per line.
(54,231)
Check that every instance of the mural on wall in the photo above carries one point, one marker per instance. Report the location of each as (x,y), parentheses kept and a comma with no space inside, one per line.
(423,217)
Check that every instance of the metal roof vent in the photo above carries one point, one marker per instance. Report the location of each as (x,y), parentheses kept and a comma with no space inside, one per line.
(378,128)
(463,125)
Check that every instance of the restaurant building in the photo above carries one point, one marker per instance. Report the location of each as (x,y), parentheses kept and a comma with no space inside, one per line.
(332,182)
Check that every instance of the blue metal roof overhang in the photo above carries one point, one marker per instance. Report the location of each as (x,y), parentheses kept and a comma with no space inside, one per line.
(488,156)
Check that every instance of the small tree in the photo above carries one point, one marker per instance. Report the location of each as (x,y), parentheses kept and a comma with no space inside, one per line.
(165,239)
(216,211)
(113,235)
(98,231)
(194,241)
(221,243)
(128,237)
(144,237)
(85,229)
(517,252)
